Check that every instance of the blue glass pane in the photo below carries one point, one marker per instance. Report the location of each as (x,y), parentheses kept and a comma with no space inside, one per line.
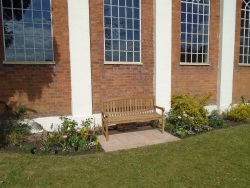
(38,42)
(122,11)
(122,56)
(107,22)
(129,24)
(115,22)
(48,43)
(38,29)
(189,37)
(29,42)
(129,3)
(30,55)
(122,23)
(183,47)
(123,45)
(130,57)
(27,4)
(108,56)
(129,35)
(8,28)
(121,2)
(136,46)
(183,27)
(136,35)
(115,11)
(183,7)
(129,13)
(47,30)
(189,8)
(8,39)
(183,37)
(206,29)
(115,44)
(183,17)
(116,56)
(46,17)
(108,44)
(7,14)
(189,18)
(27,15)
(107,2)
(37,16)
(107,33)
(195,18)
(46,4)
(9,55)
(130,45)
(39,53)
(115,33)
(123,34)
(17,4)
(7,3)
(18,15)
(206,10)
(137,24)
(137,13)
(206,18)
(137,3)
(114,2)
(18,28)
(37,5)
(49,55)
(189,28)
(20,56)
(28,29)
(200,19)
(137,57)
(107,11)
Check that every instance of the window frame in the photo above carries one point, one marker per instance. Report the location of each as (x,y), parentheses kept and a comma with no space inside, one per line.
(125,40)
(242,36)
(204,55)
(40,36)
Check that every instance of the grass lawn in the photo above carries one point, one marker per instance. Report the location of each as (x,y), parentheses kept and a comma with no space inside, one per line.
(219,158)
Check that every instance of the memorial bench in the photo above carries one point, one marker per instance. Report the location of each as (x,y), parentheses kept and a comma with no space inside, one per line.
(128,110)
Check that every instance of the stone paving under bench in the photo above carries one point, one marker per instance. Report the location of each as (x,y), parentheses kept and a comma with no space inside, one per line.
(142,136)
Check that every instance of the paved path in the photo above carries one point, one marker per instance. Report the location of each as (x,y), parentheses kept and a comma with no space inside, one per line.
(141,137)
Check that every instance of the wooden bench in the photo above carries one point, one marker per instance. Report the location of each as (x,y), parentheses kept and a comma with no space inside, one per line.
(129,110)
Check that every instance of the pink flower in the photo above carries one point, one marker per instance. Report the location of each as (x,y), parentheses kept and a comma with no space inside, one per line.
(64,136)
(63,133)
(78,130)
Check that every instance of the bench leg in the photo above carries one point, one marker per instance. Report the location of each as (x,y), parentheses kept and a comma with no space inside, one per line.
(107,132)
(163,125)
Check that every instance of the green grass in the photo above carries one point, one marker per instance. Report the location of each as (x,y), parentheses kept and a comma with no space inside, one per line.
(219,158)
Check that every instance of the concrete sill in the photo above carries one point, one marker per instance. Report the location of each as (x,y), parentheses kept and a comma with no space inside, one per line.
(29,62)
(194,64)
(244,65)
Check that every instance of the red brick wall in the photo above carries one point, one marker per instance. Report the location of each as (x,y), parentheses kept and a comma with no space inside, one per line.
(196,80)
(121,80)
(45,88)
(241,78)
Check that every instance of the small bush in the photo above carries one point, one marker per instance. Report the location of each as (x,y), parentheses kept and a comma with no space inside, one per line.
(239,112)
(216,120)
(186,113)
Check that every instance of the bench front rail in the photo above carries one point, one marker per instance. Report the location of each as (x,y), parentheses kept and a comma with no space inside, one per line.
(128,110)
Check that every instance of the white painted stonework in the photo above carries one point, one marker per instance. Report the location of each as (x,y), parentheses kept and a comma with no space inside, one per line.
(226,64)
(163,50)
(80,63)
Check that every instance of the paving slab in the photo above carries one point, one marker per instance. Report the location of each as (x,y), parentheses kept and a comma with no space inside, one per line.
(135,139)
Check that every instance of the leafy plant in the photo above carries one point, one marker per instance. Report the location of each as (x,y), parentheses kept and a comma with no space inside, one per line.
(216,120)
(239,112)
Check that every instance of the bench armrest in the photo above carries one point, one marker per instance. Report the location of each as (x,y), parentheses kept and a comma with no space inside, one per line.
(103,114)
(161,108)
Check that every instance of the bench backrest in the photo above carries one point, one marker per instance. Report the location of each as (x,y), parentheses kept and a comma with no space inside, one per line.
(129,105)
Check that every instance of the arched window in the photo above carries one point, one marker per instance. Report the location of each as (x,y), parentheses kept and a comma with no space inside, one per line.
(245,33)
(195,18)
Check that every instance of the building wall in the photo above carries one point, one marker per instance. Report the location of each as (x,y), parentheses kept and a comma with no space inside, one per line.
(196,80)
(121,80)
(45,88)
(241,79)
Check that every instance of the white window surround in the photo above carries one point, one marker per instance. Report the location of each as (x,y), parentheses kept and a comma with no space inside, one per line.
(122,32)
(244,58)
(195,25)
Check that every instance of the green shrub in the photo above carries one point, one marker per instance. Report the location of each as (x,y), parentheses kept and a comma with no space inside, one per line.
(13,128)
(216,120)
(239,112)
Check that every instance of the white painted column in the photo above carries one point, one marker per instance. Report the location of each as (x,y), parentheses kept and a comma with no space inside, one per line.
(163,50)
(226,58)
(80,63)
